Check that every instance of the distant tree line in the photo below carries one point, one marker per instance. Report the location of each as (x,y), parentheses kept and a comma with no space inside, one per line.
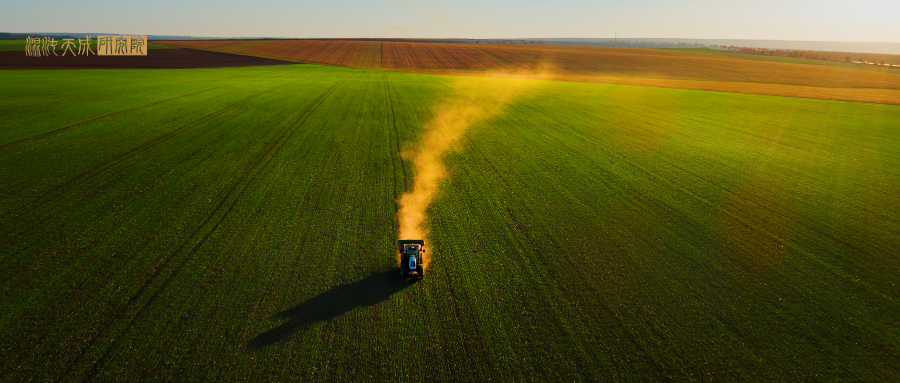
(23,36)
(877,59)
(601,43)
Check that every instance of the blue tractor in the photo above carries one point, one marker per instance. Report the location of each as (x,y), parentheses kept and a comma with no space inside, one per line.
(411,252)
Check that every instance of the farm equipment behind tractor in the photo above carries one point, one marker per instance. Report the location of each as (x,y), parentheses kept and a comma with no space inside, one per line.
(411,252)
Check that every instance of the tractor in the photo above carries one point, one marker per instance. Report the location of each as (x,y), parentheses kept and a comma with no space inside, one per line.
(411,252)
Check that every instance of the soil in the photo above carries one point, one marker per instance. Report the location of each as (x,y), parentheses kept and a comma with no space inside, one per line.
(155,58)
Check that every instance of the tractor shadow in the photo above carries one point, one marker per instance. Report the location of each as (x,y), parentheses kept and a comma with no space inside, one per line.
(333,303)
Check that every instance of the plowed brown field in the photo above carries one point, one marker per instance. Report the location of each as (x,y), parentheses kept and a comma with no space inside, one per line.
(632,66)
(335,52)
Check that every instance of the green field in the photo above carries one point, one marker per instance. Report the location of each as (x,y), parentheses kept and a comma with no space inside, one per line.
(237,224)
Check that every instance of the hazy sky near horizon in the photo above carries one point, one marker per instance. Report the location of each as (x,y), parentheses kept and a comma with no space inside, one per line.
(822,20)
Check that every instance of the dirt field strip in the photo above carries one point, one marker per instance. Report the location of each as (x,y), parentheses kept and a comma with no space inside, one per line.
(156,58)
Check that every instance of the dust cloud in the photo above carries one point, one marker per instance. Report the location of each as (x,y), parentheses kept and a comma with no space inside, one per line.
(470,101)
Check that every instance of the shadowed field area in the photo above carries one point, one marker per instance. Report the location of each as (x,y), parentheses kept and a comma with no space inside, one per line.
(239,224)
(331,304)
(19,45)
(155,58)
(630,66)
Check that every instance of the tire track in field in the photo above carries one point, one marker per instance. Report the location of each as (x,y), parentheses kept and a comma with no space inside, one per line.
(648,358)
(761,201)
(114,114)
(632,339)
(158,269)
(396,142)
(529,245)
(393,133)
(59,210)
(508,186)
(8,112)
(393,142)
(99,169)
(390,108)
(281,141)
(76,83)
(95,334)
(519,226)
(308,199)
(150,185)
(472,347)
(764,203)
(22,230)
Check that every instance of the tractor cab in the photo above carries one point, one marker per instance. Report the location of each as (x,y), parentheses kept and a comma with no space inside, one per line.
(412,249)
(411,252)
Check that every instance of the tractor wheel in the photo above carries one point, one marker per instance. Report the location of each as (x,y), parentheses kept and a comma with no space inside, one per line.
(420,271)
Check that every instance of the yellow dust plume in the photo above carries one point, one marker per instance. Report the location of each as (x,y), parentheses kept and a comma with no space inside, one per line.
(471,100)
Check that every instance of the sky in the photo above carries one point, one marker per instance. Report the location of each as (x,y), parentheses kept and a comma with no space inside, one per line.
(810,20)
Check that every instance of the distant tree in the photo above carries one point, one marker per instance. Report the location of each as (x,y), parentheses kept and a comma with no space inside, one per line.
(881,62)
(847,59)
